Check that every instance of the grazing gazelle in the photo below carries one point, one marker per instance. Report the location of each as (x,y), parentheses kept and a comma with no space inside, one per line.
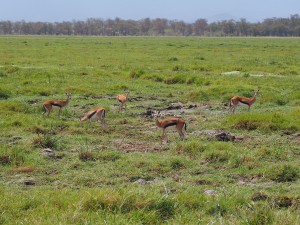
(235,100)
(122,100)
(55,104)
(94,114)
(171,121)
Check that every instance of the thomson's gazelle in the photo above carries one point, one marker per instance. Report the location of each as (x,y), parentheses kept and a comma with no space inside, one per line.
(169,122)
(235,100)
(95,114)
(122,100)
(55,104)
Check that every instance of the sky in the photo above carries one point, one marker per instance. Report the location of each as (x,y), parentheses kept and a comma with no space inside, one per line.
(186,10)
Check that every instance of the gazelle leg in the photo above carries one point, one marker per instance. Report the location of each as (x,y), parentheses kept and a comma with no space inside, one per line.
(164,135)
(181,134)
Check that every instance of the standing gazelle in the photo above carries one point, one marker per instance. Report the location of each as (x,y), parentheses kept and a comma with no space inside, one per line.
(235,100)
(94,114)
(122,100)
(171,121)
(56,104)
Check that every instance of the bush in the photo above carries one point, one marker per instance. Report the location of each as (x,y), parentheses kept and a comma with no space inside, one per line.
(164,207)
(177,68)
(285,173)
(261,215)
(177,164)
(136,74)
(177,79)
(173,59)
(12,156)
(214,157)
(4,94)
(45,141)
(87,156)
(5,159)
(263,121)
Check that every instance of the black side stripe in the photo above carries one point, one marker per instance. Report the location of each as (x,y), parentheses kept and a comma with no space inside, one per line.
(91,115)
(244,102)
(54,104)
(170,124)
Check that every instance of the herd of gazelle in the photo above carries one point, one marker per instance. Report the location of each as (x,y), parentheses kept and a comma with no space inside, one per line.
(99,113)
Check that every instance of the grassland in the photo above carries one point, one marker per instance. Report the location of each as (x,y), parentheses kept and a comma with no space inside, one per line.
(122,174)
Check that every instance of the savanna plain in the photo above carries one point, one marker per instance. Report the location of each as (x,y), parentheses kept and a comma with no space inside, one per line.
(54,171)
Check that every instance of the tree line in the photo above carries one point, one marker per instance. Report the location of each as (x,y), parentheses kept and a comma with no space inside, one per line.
(156,27)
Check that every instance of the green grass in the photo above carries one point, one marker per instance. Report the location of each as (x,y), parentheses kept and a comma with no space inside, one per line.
(122,174)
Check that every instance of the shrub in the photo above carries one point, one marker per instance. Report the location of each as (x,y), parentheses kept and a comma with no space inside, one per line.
(12,156)
(177,79)
(4,94)
(282,202)
(136,74)
(177,164)
(281,101)
(165,208)
(263,121)
(5,159)
(285,173)
(177,68)
(45,141)
(87,156)
(261,215)
(214,157)
(173,59)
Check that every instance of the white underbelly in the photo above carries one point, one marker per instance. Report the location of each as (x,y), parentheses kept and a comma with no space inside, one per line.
(242,104)
(55,107)
(94,117)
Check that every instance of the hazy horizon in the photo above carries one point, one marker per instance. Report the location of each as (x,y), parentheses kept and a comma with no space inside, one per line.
(188,11)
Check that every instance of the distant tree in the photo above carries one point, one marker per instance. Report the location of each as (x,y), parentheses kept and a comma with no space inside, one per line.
(6,27)
(200,26)
(159,26)
(145,26)
(116,27)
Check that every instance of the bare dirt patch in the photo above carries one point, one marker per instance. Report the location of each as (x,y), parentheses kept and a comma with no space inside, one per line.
(137,147)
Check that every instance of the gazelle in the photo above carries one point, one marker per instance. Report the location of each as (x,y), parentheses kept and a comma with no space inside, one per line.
(95,114)
(235,100)
(56,104)
(122,100)
(169,122)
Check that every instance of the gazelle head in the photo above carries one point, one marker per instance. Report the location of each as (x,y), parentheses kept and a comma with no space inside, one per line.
(69,96)
(155,114)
